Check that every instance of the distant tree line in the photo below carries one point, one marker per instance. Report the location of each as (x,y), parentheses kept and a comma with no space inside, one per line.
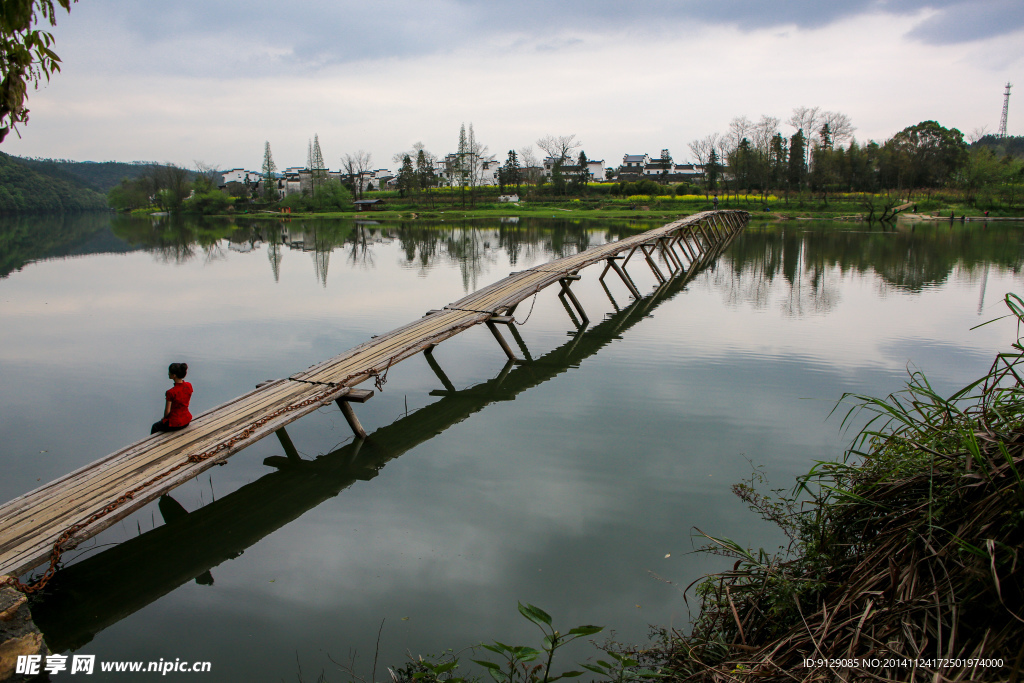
(823,158)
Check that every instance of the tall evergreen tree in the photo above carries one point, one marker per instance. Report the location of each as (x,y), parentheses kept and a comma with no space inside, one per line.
(406,177)
(462,163)
(797,168)
(317,168)
(513,174)
(778,156)
(425,176)
(269,174)
(582,172)
(712,170)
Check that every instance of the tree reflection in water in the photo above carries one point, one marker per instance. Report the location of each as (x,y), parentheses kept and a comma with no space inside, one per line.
(810,259)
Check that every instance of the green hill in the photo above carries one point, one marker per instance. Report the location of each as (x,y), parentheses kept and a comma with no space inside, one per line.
(98,175)
(25,188)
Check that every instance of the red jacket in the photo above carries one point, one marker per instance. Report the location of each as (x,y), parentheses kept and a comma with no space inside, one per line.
(179,395)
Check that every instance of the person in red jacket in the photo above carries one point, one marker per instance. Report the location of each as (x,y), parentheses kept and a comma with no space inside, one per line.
(176,415)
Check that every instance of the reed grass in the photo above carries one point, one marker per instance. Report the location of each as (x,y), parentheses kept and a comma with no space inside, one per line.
(905,557)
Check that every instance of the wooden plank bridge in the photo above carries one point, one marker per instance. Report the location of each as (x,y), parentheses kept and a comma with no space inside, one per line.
(57,516)
(103,588)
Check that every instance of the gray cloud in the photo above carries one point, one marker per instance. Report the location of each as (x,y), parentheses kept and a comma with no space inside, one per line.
(965,21)
(267,37)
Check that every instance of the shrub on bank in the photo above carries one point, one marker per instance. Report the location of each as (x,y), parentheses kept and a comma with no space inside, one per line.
(906,551)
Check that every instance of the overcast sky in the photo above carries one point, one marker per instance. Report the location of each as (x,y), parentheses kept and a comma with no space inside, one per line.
(211,81)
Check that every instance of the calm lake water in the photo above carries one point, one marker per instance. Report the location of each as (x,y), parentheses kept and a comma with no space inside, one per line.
(574,483)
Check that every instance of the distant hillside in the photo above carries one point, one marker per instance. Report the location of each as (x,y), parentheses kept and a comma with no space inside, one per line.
(28,189)
(98,175)
(1012,145)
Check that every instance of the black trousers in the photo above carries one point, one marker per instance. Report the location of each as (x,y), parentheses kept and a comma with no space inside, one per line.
(162,426)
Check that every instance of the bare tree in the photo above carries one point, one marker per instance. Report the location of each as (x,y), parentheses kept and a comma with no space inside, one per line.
(355,165)
(807,119)
(739,128)
(839,127)
(559,147)
(701,151)
(398,157)
(763,132)
(528,161)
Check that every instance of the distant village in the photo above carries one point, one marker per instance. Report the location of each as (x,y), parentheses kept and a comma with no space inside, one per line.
(634,167)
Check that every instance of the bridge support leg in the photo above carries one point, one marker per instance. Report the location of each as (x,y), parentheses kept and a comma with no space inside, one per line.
(651,263)
(676,242)
(566,292)
(428,353)
(670,258)
(345,403)
(611,298)
(497,335)
(622,274)
(286,443)
(519,341)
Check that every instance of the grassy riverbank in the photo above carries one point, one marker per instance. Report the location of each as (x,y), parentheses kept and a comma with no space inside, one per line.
(444,203)
(904,561)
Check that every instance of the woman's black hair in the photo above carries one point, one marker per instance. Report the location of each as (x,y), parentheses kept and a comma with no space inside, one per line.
(179,370)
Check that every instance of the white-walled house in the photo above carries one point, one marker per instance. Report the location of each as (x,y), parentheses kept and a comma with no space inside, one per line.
(595,169)
(635,163)
(239,175)
(485,172)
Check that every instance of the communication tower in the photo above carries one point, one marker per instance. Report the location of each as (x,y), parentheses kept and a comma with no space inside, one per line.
(1006,108)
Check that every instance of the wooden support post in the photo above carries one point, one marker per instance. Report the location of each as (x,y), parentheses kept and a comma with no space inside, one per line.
(568,309)
(702,245)
(501,340)
(519,341)
(712,225)
(651,263)
(287,445)
(428,353)
(608,292)
(565,282)
(720,230)
(607,265)
(625,278)
(670,257)
(677,240)
(629,256)
(345,403)
(708,239)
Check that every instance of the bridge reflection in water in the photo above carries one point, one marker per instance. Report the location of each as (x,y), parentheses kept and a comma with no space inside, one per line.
(85,598)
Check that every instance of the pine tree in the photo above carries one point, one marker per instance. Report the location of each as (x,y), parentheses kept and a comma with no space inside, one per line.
(406,176)
(797,167)
(269,175)
(582,172)
(462,170)
(513,174)
(317,170)
(712,170)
